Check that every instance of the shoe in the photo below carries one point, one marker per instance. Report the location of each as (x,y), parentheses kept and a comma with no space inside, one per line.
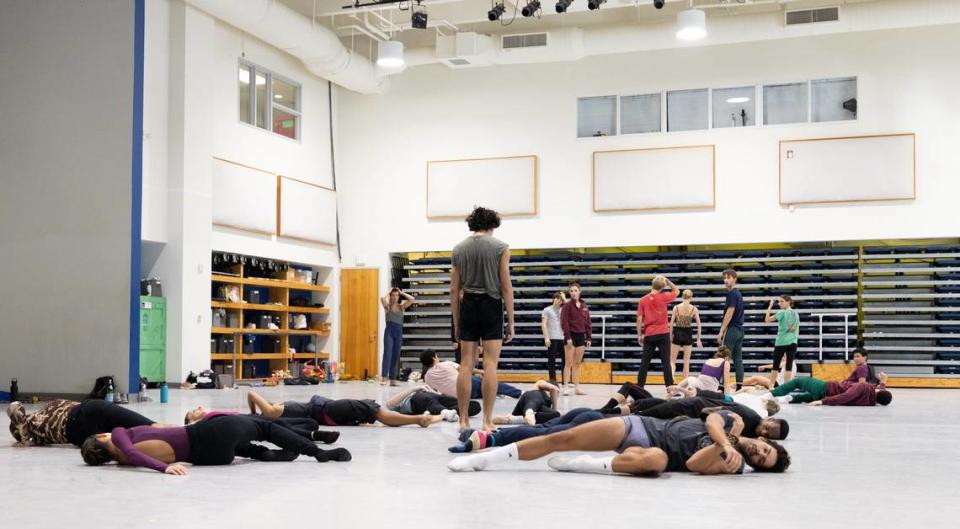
(394,383)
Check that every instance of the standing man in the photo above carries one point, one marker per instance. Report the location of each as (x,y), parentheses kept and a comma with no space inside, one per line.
(731,330)
(653,331)
(553,335)
(481,269)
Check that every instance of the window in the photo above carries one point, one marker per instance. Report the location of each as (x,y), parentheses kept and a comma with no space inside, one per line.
(734,107)
(639,114)
(833,99)
(687,110)
(596,116)
(270,102)
(785,103)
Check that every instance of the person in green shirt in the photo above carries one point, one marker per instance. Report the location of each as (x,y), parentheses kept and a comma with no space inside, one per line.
(788,330)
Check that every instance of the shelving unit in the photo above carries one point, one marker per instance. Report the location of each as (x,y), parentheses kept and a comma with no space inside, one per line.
(267,350)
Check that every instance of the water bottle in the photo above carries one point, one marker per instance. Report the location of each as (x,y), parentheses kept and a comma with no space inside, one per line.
(14,390)
(109,396)
(164,393)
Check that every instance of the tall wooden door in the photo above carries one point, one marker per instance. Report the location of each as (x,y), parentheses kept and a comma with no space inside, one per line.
(359,320)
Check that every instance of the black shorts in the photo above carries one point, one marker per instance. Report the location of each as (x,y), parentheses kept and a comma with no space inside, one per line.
(682,336)
(579,339)
(481,318)
(779,351)
(350,412)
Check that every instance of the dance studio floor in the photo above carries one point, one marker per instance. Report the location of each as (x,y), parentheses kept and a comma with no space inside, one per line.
(852,467)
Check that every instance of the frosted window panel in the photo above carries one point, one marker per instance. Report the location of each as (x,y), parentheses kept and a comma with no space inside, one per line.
(827,97)
(785,103)
(244,90)
(734,107)
(596,116)
(640,113)
(687,110)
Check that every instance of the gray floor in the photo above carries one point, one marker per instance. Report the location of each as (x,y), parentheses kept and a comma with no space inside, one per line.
(852,467)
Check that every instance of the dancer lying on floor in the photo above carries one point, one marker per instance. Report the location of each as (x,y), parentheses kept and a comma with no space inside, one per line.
(302,426)
(216,441)
(755,426)
(341,412)
(764,380)
(820,392)
(536,406)
(423,399)
(442,377)
(626,395)
(646,446)
(66,421)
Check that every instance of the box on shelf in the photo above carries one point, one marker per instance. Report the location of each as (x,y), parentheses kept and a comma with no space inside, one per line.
(233,320)
(270,345)
(265,322)
(219,318)
(248,344)
(255,297)
(225,344)
(213,345)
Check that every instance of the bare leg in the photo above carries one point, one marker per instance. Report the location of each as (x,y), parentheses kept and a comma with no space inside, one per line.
(266,409)
(468,358)
(639,461)
(758,380)
(773,376)
(578,359)
(396,399)
(674,350)
(491,358)
(596,436)
(687,351)
(787,376)
(392,418)
(568,355)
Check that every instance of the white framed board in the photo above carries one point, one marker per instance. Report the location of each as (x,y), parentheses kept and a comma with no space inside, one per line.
(243,197)
(508,185)
(308,212)
(847,169)
(663,178)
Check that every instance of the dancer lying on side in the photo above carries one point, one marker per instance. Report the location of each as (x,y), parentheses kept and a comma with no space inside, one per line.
(341,412)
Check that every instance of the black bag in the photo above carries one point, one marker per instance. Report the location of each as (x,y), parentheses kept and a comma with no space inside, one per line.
(405,374)
(206,380)
(295,382)
(101,386)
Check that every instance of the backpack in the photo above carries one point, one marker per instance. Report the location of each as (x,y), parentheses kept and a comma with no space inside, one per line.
(100,387)
(206,380)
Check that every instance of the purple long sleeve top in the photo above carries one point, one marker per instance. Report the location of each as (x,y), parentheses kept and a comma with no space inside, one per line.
(125,440)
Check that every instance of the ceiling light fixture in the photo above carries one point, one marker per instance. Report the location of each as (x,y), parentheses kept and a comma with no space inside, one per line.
(691,24)
(738,100)
(390,54)
(495,12)
(531,8)
(562,5)
(278,96)
(659,3)
(593,5)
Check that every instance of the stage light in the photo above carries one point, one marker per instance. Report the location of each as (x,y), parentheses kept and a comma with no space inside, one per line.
(593,5)
(562,5)
(495,12)
(531,8)
(659,3)
(419,19)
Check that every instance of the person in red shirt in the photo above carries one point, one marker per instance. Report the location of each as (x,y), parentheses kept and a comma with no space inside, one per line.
(653,331)
(575,321)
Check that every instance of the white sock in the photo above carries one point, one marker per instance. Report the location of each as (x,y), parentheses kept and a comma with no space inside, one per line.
(786,399)
(513,419)
(584,463)
(529,418)
(450,415)
(480,461)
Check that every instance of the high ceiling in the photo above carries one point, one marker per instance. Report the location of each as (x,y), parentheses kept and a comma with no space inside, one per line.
(358,25)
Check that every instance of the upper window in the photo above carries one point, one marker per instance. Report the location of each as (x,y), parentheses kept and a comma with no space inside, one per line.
(269,102)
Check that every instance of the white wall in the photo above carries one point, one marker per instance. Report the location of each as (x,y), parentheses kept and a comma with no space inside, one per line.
(201,55)
(66,101)
(156,87)
(907,83)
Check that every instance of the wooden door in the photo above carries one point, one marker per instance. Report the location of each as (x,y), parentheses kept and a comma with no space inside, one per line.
(359,320)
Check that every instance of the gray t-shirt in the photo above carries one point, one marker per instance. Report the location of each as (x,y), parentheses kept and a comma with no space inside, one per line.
(680,438)
(477,259)
(554,330)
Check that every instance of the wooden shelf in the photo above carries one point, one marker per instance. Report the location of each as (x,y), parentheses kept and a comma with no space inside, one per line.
(310,356)
(272,283)
(269,308)
(279,332)
(221,356)
(270,356)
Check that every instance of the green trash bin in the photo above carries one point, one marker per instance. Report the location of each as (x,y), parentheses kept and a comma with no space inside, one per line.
(153,338)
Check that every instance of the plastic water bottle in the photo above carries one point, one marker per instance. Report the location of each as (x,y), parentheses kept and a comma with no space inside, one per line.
(109,396)
(164,393)
(14,390)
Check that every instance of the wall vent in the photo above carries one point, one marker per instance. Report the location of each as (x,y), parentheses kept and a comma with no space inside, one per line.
(526,40)
(812,16)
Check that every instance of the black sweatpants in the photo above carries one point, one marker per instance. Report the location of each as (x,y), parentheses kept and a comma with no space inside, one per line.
(539,402)
(652,345)
(635,392)
(218,440)
(426,401)
(555,350)
(95,416)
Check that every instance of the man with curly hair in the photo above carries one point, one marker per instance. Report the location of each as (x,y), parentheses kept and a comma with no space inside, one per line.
(481,270)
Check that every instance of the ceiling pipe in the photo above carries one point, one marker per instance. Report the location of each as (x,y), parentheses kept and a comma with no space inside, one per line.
(316,46)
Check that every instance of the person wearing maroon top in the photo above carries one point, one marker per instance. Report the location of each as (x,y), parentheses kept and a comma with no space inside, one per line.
(575,321)
(863,372)
(653,331)
(859,394)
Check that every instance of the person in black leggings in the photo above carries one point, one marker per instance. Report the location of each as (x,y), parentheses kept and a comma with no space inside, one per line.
(536,406)
(303,426)
(473,440)
(215,441)
(66,421)
(626,395)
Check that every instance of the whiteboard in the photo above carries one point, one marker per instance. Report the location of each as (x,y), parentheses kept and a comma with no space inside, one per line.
(507,185)
(244,198)
(654,179)
(857,169)
(308,212)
